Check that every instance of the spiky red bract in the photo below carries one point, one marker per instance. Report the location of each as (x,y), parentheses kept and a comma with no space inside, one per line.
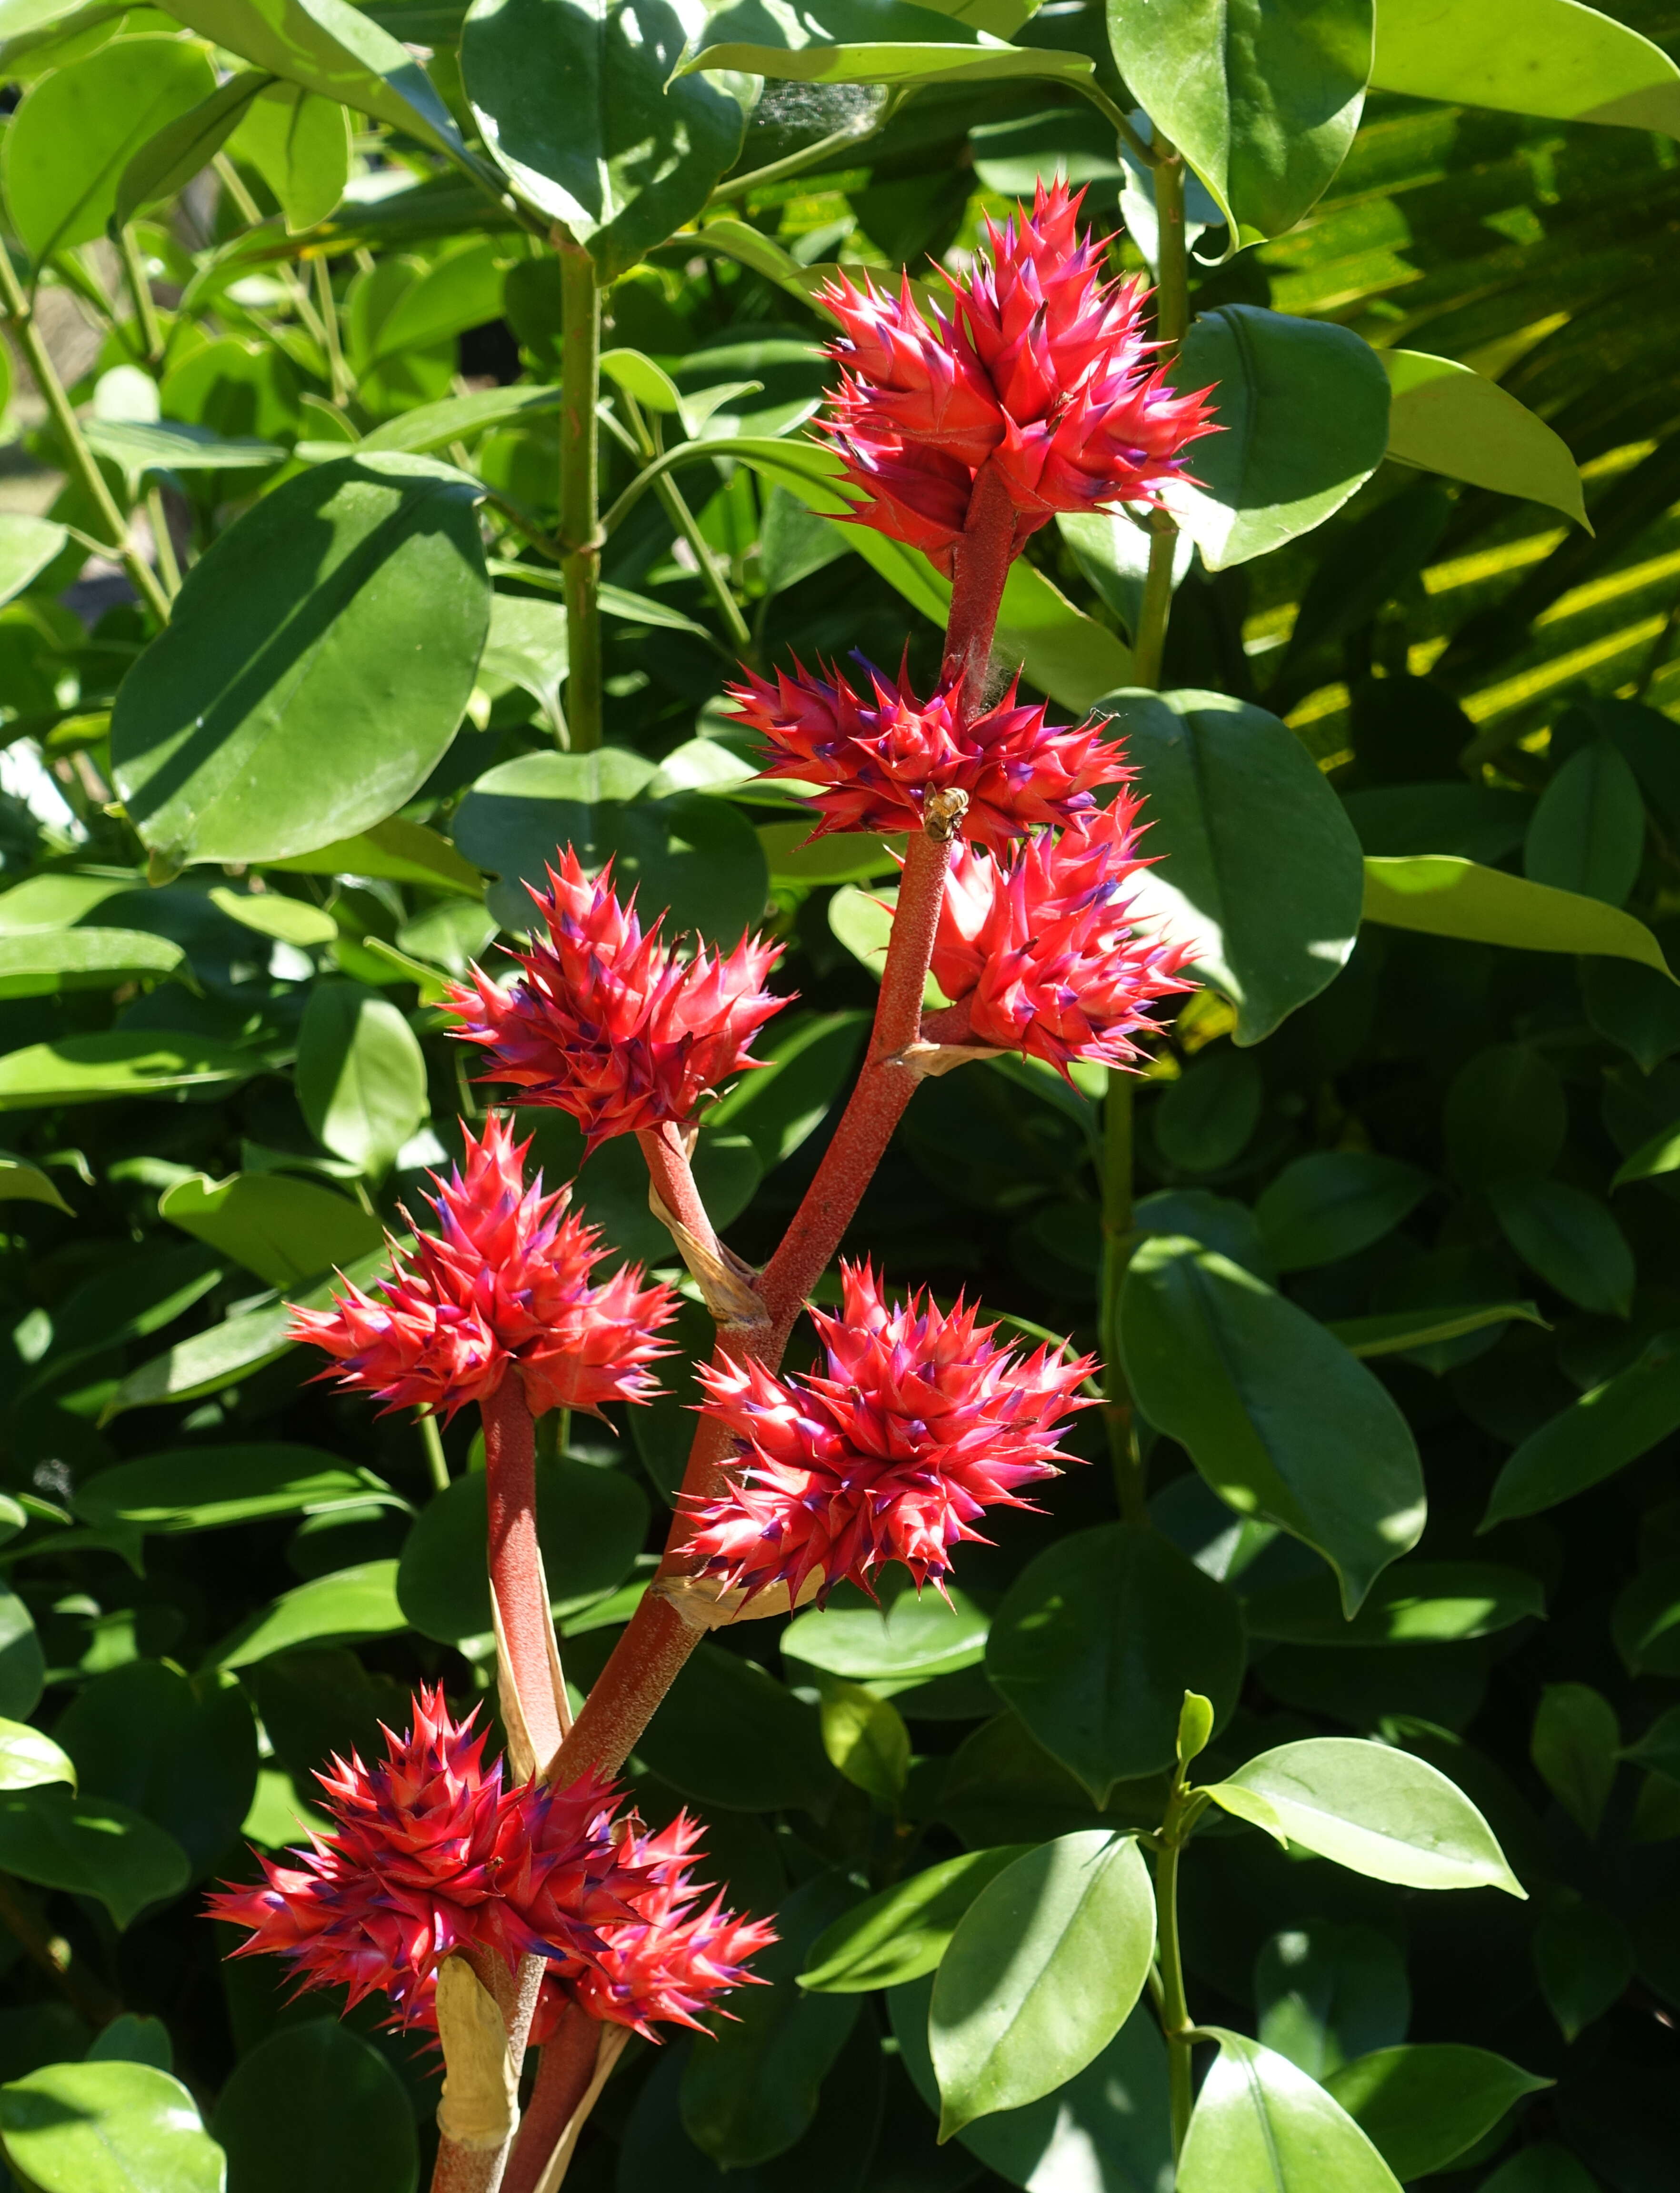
(505,1283)
(429,1853)
(1040,369)
(1043,952)
(876,756)
(611,1024)
(674,1959)
(918,1425)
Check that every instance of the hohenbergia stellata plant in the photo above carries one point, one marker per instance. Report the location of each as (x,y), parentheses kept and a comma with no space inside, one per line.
(507,1906)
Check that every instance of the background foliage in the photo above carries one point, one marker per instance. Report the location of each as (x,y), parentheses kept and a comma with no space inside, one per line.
(239,858)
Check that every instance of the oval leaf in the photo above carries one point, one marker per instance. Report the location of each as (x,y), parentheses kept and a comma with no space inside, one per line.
(1445,896)
(1422,2106)
(1446,418)
(108,2128)
(905,1930)
(1258,2121)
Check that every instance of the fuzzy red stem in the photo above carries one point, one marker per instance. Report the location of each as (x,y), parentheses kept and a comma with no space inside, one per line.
(672,1181)
(479,2170)
(564,2072)
(979,571)
(515,1568)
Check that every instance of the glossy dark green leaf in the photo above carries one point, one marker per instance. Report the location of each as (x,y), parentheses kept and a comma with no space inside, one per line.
(1588,831)
(1574,1745)
(1610,1426)
(578,106)
(23,1665)
(1205,1119)
(1107,2128)
(1097,1640)
(283,1229)
(181,1752)
(108,2128)
(1304,409)
(919,1634)
(82,1069)
(361,1076)
(133,2037)
(591,1524)
(28,1758)
(1414,1603)
(316,2105)
(1584,1962)
(1225,784)
(690,856)
(92,1847)
(1401,1332)
(808,1062)
(866,1739)
(1002,1786)
(1636,1009)
(1270,1406)
(1335,1203)
(77,129)
(1378,1810)
(46,965)
(318,660)
(903,1932)
(167,162)
(1569,1238)
(1326,1992)
(1441,896)
(1645,1622)
(355,1602)
(1423,2106)
(207,1488)
(1541,2168)
(1043,1970)
(1505,1116)
(1262,99)
(1261,2122)
(730,1735)
(750,2094)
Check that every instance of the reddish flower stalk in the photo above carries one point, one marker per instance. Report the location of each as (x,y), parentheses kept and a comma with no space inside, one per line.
(565,2071)
(516,1564)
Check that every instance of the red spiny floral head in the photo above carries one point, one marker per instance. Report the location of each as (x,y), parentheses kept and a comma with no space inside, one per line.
(505,1282)
(674,1959)
(876,758)
(429,1853)
(1043,954)
(918,1425)
(1040,369)
(608,1024)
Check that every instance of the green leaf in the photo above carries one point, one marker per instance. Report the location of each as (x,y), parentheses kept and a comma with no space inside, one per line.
(355,1602)
(1541,2167)
(1569,1238)
(1335,1203)
(335,50)
(22,1182)
(1204,1119)
(91,1846)
(1446,418)
(1375,1809)
(132,2038)
(404,852)
(1098,1639)
(291,920)
(361,1076)
(1506,1116)
(1044,1968)
(807,1061)
(1634,1008)
(1395,1332)
(44,966)
(581,108)
(752,2091)
(83,1069)
(1262,99)
(1225,784)
(316,2105)
(1259,2122)
(1423,2106)
(527,648)
(1584,1961)
(1414,1603)
(1444,896)
(460,289)
(690,856)
(320,656)
(866,1739)
(591,1524)
(29,1758)
(211,1488)
(108,2128)
(1574,1745)
(167,162)
(456,418)
(1659,1749)
(27,545)
(1645,1621)
(1108,2124)
(905,1930)
(299,143)
(1270,1406)
(283,1229)
(1550,57)
(871,42)
(1325,1993)
(1610,1426)
(1303,407)
(67,146)
(915,1634)
(165,445)
(732,1736)
(1588,831)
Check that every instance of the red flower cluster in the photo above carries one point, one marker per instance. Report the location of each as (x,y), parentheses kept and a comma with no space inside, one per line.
(1040,370)
(918,1426)
(429,1853)
(506,1283)
(875,760)
(1042,951)
(673,1960)
(610,1024)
